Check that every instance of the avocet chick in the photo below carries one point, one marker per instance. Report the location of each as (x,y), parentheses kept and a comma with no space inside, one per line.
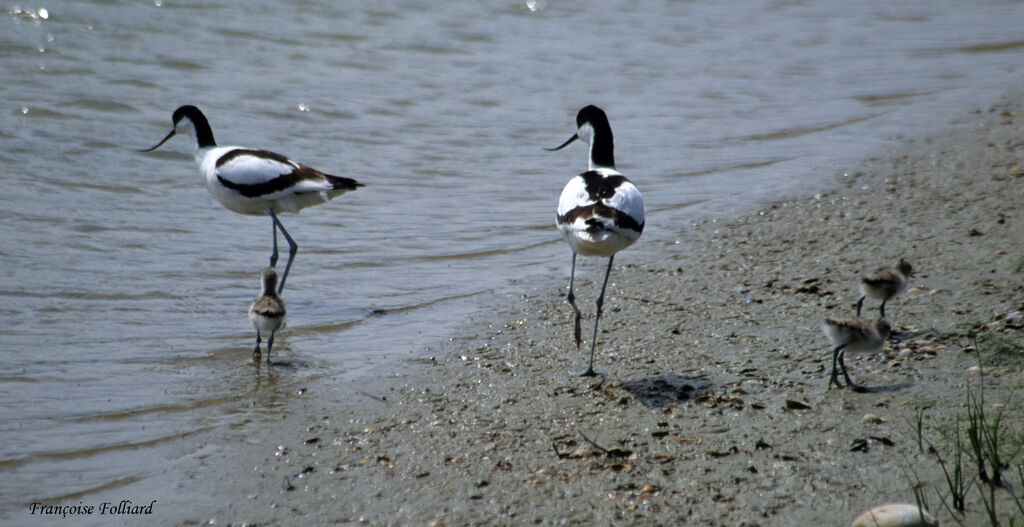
(267,312)
(854,334)
(884,284)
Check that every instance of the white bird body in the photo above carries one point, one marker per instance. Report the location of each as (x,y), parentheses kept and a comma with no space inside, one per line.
(249,181)
(600,212)
(267,314)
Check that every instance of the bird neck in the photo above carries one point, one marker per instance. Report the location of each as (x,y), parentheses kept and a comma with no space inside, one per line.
(201,132)
(602,149)
(270,286)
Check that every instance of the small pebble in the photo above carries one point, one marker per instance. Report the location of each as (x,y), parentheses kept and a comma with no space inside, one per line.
(582,452)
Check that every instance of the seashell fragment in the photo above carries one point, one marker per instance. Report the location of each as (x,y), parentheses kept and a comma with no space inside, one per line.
(895,515)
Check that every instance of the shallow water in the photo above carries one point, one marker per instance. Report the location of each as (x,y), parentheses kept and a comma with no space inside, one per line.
(124,334)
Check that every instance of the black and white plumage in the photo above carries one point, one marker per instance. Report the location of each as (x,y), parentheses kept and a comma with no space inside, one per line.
(884,284)
(252,181)
(600,212)
(853,334)
(267,312)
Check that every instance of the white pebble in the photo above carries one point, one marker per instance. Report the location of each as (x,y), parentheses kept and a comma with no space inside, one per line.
(873,419)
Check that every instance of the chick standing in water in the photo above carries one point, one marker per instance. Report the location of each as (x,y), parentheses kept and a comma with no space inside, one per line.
(267,312)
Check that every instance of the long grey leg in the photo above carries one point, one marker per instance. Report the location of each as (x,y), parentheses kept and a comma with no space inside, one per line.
(860,303)
(571,298)
(256,352)
(273,227)
(292,249)
(590,372)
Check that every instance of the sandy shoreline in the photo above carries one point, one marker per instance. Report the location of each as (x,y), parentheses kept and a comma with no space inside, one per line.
(704,347)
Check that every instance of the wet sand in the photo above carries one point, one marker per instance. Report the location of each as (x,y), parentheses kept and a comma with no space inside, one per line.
(716,409)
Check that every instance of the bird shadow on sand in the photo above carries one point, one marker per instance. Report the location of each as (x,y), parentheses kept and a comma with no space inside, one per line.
(280,366)
(887,389)
(656,392)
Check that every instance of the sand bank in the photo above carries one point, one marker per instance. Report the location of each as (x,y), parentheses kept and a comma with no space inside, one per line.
(715,410)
